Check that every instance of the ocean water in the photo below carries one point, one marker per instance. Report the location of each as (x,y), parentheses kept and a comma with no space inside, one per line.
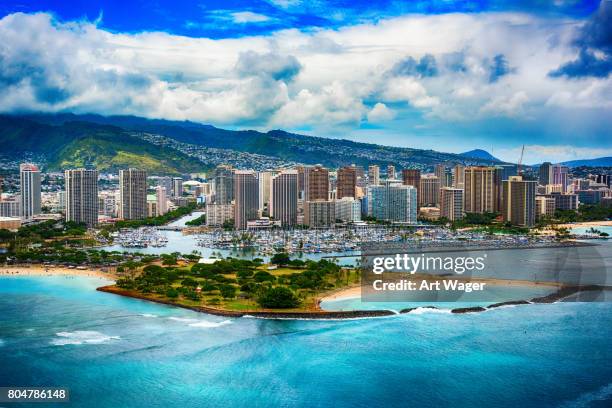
(118,352)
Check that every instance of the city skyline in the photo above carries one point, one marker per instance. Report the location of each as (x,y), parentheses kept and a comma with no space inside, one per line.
(536,75)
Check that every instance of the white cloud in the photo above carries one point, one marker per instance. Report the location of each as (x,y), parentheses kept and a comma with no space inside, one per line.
(380,113)
(242,17)
(320,79)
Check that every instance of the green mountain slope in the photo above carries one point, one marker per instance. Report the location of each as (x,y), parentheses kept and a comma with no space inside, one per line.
(78,144)
(277,143)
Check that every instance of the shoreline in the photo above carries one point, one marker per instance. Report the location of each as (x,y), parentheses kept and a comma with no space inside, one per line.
(54,271)
(586,224)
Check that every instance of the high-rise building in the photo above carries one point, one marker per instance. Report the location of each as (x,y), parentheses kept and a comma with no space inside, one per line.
(162,200)
(10,207)
(444,174)
(482,189)
(133,194)
(451,203)
(246,197)
(177,187)
(459,176)
(316,183)
(224,184)
(429,191)
(560,176)
(393,202)
(373,175)
(412,177)
(218,214)
(319,214)
(519,201)
(284,197)
(265,181)
(390,172)
(545,174)
(545,207)
(348,209)
(347,181)
(29,176)
(82,196)
(167,183)
(508,170)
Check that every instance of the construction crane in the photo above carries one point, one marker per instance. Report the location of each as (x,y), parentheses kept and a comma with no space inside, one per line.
(520,162)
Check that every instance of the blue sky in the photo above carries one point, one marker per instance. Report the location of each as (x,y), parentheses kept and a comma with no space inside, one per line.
(446,75)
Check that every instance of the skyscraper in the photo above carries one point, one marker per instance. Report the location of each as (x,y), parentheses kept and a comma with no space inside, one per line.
(29,176)
(412,177)
(560,176)
(162,200)
(224,184)
(519,201)
(429,190)
(347,181)
(393,202)
(451,203)
(373,174)
(482,189)
(545,173)
(444,175)
(246,197)
(82,196)
(316,183)
(459,176)
(133,194)
(265,181)
(390,172)
(284,197)
(177,187)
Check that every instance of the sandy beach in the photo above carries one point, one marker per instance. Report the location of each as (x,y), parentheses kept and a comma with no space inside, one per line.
(587,224)
(39,270)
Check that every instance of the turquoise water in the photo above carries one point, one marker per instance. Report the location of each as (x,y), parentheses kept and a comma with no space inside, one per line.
(119,352)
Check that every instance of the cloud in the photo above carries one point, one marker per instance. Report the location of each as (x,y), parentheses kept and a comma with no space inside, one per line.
(594,41)
(506,105)
(380,113)
(425,67)
(278,67)
(243,17)
(414,72)
(499,67)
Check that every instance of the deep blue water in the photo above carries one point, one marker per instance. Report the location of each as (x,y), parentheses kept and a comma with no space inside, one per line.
(118,352)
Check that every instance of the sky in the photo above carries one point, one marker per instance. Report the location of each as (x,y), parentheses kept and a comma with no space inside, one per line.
(444,75)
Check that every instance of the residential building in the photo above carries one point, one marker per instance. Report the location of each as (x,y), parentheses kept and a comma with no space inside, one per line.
(451,203)
(519,201)
(133,194)
(346,183)
(29,176)
(246,197)
(319,214)
(82,196)
(429,190)
(284,197)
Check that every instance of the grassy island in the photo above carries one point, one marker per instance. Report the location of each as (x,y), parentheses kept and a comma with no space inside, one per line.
(238,285)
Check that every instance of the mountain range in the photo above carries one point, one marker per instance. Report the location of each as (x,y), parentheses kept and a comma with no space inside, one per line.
(173,147)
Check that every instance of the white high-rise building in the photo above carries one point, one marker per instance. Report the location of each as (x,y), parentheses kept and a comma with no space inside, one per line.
(393,202)
(29,176)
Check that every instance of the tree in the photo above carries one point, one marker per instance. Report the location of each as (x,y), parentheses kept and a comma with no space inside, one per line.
(279,297)
(227,291)
(280,258)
